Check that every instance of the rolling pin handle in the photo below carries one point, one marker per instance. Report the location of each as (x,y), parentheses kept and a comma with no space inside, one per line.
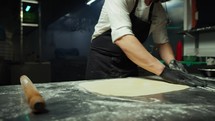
(34,99)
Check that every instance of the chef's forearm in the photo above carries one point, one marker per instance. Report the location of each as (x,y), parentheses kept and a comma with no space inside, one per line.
(139,55)
(166,52)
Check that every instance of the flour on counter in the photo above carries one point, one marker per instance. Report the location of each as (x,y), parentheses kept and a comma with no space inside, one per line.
(68,101)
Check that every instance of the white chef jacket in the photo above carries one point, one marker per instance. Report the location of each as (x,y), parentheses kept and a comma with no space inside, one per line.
(115,16)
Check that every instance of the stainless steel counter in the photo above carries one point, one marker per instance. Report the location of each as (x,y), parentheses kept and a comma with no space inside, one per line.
(67,101)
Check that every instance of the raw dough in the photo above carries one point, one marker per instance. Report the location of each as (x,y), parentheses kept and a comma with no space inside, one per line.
(130,87)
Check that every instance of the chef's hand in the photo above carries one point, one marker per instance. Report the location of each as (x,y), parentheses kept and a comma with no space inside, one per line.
(178,77)
(175,65)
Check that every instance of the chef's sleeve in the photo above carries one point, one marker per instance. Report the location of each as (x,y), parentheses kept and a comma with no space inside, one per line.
(119,18)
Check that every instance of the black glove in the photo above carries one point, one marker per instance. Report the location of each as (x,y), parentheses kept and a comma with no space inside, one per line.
(178,77)
(175,65)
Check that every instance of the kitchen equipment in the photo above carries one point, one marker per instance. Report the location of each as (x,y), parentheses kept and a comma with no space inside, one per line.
(208,72)
(190,58)
(210,61)
(179,51)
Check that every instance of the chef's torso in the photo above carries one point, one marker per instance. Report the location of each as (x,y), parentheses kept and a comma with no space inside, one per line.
(115,16)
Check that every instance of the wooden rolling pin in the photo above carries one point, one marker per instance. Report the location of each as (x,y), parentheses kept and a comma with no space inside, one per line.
(34,99)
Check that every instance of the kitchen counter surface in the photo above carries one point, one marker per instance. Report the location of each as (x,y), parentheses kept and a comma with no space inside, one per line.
(67,101)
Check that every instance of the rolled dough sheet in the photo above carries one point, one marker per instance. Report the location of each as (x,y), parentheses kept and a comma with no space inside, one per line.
(130,87)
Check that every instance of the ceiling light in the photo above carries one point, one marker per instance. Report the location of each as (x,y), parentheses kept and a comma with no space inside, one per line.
(90,2)
(27,8)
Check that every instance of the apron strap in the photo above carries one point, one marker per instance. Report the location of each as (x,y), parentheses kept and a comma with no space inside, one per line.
(135,6)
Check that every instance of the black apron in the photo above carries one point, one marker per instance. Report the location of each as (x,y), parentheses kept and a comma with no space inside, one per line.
(107,60)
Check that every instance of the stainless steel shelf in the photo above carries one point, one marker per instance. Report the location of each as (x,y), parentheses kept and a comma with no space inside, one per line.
(194,33)
(30,25)
(197,30)
(30,1)
(26,26)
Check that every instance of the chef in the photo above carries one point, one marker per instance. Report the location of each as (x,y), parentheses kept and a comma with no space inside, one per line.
(116,47)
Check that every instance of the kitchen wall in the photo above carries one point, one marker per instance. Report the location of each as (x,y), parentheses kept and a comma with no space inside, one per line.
(66,38)
(70,34)
(67,30)
(9,24)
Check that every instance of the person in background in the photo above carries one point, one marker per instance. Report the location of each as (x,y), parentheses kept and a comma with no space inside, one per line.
(117,49)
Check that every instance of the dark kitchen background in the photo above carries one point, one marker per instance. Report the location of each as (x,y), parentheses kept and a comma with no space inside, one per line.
(49,40)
